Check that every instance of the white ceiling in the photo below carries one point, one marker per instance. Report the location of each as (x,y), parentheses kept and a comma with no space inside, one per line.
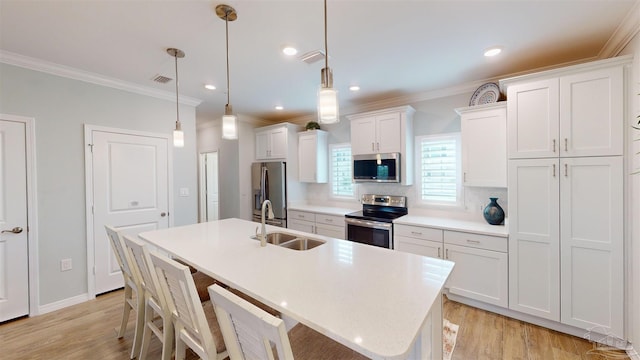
(390,48)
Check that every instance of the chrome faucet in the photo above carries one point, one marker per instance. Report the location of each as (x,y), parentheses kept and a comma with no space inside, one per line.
(263,236)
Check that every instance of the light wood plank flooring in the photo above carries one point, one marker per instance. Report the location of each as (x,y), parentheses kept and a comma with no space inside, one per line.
(86,331)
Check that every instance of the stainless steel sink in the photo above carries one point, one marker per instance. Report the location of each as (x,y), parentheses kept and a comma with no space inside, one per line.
(277,238)
(290,241)
(302,244)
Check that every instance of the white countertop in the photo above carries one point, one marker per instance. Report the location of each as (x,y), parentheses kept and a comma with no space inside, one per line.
(371,299)
(454,224)
(327,210)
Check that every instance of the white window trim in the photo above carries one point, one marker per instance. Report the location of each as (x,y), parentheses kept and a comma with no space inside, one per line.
(459,204)
(331,194)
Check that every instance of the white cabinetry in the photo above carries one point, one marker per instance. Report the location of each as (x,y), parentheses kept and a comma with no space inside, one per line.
(316,223)
(481,269)
(484,144)
(418,240)
(566,183)
(312,156)
(385,131)
(579,114)
(271,143)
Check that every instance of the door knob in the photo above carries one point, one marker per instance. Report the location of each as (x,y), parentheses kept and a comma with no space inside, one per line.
(163,214)
(15,230)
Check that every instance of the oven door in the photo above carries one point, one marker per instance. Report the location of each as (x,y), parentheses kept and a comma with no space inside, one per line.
(370,232)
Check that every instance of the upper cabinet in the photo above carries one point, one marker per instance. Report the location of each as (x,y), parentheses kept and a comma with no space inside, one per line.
(385,131)
(484,144)
(566,115)
(271,142)
(312,156)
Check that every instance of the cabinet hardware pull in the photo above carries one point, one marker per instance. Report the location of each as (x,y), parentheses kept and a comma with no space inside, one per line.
(554,170)
(439,253)
(373,146)
(416,233)
(328,220)
(464,176)
(566,171)
(554,145)
(378,145)
(473,241)
(446,252)
(565,145)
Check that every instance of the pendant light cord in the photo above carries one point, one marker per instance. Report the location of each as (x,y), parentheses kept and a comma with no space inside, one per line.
(226,23)
(177,103)
(326,50)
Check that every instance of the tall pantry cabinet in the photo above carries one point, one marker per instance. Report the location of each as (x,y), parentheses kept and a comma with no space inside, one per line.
(566,205)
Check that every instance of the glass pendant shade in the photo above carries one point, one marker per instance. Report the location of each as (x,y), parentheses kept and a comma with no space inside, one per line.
(178,138)
(229,127)
(328,106)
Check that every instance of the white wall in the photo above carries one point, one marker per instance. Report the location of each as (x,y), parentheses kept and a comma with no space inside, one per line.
(61,107)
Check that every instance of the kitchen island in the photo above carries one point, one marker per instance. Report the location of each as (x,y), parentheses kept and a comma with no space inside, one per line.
(382,303)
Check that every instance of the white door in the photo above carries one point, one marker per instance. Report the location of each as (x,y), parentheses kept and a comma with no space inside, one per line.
(212,201)
(592,204)
(130,192)
(534,237)
(14,274)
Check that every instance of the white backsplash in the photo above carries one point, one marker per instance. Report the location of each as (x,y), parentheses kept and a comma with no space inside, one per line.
(475,199)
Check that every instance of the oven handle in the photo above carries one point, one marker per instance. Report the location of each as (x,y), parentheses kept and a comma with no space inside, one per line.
(369,224)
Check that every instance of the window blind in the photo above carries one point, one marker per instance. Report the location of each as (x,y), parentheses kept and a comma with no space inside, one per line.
(341,185)
(439,169)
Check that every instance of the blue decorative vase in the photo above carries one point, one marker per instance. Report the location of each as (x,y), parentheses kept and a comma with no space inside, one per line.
(493,213)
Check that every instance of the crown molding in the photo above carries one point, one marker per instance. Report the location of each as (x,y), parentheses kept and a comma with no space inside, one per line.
(30,63)
(625,32)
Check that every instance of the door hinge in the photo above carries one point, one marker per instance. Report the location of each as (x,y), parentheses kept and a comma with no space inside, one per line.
(90,147)
(92,210)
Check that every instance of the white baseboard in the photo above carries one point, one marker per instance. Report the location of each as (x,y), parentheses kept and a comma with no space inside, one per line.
(43,309)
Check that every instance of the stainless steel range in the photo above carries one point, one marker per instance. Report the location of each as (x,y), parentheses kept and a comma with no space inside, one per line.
(373,225)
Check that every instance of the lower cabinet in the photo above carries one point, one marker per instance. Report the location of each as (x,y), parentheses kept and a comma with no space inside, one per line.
(314,223)
(481,270)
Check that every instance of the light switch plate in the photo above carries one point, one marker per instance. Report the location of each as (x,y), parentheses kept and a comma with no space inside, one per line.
(184,191)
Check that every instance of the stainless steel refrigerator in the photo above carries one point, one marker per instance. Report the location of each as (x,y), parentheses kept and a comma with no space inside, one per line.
(269,182)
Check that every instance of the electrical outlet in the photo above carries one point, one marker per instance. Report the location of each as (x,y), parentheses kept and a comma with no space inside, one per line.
(66,265)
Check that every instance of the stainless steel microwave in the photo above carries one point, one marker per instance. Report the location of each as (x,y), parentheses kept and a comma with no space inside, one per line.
(376,168)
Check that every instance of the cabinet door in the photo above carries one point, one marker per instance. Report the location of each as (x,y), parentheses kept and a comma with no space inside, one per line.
(301,225)
(591,113)
(278,143)
(534,249)
(330,230)
(533,119)
(363,135)
(262,145)
(484,148)
(307,162)
(592,243)
(417,246)
(478,274)
(388,133)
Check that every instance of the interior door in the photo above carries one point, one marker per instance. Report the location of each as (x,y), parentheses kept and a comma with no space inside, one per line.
(210,197)
(130,193)
(14,272)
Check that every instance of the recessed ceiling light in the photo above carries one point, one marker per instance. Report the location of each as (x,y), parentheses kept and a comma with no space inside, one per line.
(279,107)
(354,87)
(492,51)
(210,87)
(289,50)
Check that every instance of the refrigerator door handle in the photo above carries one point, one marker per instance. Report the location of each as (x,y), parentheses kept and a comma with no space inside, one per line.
(263,182)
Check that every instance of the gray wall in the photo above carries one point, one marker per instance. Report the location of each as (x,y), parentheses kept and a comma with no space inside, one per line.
(61,107)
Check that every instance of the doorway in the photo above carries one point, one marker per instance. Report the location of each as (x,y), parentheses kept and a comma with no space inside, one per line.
(209,187)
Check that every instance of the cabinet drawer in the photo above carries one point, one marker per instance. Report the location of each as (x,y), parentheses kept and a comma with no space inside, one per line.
(302,215)
(418,232)
(417,246)
(486,242)
(330,219)
(330,230)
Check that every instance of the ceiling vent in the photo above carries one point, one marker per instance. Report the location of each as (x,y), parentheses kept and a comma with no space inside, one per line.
(161,79)
(312,56)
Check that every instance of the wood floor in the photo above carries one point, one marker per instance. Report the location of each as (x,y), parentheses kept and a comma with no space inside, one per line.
(86,331)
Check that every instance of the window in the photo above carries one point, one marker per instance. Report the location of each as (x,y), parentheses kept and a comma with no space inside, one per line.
(340,167)
(438,158)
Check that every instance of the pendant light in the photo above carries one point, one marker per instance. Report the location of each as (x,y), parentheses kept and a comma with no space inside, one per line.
(178,134)
(229,121)
(327,95)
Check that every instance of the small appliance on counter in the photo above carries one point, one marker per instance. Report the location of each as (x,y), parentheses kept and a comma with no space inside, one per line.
(269,182)
(373,225)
